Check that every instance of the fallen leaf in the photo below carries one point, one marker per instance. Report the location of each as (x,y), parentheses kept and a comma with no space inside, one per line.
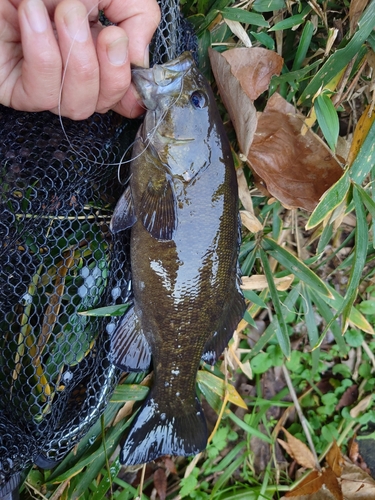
(348,397)
(311,484)
(160,483)
(361,406)
(335,459)
(356,483)
(242,74)
(240,107)
(297,170)
(318,482)
(254,68)
(240,32)
(250,221)
(259,282)
(298,450)
(243,191)
(355,11)
(170,465)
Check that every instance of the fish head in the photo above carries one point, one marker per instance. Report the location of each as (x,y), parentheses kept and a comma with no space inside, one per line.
(181,118)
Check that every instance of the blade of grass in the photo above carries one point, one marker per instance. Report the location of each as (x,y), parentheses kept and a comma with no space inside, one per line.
(312,329)
(295,266)
(282,332)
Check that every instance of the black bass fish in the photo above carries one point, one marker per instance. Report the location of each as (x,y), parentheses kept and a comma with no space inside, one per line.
(182,205)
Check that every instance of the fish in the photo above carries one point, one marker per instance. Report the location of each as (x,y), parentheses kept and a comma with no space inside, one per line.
(181,203)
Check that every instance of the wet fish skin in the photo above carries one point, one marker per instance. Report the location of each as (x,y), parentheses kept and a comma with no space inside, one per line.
(182,205)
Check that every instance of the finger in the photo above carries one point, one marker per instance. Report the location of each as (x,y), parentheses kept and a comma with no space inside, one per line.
(139,19)
(130,105)
(38,85)
(80,79)
(115,76)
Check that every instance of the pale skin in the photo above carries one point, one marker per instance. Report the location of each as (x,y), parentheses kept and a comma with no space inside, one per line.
(46,45)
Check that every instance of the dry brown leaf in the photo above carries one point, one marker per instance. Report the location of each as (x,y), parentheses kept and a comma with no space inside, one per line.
(239,106)
(250,221)
(355,11)
(254,68)
(356,483)
(259,282)
(348,398)
(316,484)
(361,406)
(240,32)
(311,484)
(160,483)
(299,451)
(170,465)
(243,191)
(241,75)
(296,169)
(335,459)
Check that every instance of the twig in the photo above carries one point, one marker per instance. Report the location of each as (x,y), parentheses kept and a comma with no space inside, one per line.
(301,416)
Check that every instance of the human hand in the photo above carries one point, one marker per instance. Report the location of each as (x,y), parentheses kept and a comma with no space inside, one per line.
(49,45)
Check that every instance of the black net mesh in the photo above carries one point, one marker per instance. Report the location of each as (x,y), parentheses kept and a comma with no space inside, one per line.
(58,259)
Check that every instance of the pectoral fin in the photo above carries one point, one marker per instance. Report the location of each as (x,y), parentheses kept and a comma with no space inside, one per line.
(123,216)
(130,350)
(158,209)
(232,314)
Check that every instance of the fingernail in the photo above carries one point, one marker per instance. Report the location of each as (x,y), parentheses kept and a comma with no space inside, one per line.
(146,59)
(117,51)
(36,15)
(76,23)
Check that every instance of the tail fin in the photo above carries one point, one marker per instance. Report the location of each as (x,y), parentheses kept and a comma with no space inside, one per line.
(154,434)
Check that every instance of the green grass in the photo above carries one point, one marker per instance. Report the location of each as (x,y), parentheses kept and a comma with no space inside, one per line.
(315,328)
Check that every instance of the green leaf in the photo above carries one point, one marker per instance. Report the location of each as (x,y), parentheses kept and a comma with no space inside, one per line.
(281,332)
(296,266)
(303,45)
(254,297)
(244,16)
(341,57)
(360,253)
(328,120)
(209,382)
(292,21)
(268,5)
(365,159)
(261,363)
(118,310)
(107,481)
(332,198)
(367,200)
(188,485)
(312,329)
(129,392)
(367,307)
(354,338)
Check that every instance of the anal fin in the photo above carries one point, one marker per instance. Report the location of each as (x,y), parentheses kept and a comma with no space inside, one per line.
(130,350)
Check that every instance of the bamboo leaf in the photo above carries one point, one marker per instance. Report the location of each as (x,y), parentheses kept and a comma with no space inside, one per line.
(296,266)
(244,16)
(328,120)
(129,392)
(365,160)
(292,21)
(330,200)
(281,332)
(209,382)
(341,57)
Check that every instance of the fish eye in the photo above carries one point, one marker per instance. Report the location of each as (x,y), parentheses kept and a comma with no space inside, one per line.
(198,99)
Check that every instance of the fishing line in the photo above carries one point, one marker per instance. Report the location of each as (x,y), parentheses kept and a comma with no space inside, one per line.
(150,135)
